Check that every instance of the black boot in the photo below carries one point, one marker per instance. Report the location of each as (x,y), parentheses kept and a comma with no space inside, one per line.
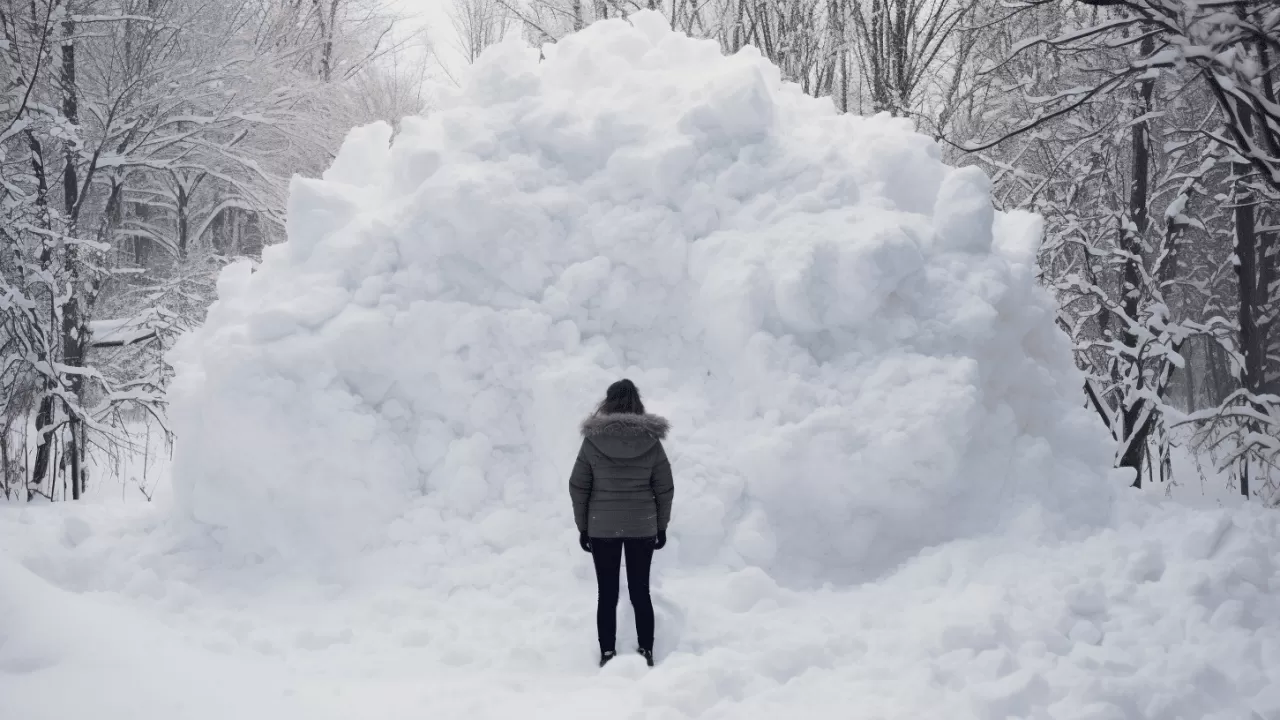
(647,654)
(606,656)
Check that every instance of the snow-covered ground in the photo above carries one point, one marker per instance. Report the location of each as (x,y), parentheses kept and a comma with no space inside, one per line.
(890,502)
(1170,615)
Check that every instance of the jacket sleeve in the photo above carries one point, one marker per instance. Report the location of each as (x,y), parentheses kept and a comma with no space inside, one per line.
(664,488)
(580,482)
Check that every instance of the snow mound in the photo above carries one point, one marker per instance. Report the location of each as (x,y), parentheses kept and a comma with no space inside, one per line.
(848,340)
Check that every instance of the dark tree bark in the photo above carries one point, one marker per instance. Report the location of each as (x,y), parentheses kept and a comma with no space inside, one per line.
(326,18)
(183,222)
(1132,240)
(73,332)
(44,411)
(1252,345)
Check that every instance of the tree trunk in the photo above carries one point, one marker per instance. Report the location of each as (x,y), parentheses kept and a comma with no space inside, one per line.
(73,332)
(182,220)
(1190,376)
(836,63)
(4,460)
(70,110)
(1269,250)
(1222,384)
(1252,345)
(326,19)
(1246,238)
(843,57)
(1131,238)
(44,411)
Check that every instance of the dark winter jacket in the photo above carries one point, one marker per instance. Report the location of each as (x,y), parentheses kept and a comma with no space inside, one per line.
(621,483)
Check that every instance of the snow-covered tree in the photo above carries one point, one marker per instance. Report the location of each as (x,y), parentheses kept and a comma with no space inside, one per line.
(1117,122)
(141,141)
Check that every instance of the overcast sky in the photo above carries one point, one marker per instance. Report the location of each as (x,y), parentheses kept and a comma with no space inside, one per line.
(433,17)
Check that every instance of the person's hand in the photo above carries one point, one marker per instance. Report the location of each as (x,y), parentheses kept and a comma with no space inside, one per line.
(661,540)
(584,542)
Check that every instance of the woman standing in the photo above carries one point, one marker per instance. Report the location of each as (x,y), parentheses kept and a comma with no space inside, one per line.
(622,488)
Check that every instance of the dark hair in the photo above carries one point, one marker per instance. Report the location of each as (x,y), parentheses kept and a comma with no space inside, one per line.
(622,397)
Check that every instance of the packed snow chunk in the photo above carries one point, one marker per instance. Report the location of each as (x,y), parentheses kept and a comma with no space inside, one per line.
(963,214)
(848,340)
(363,158)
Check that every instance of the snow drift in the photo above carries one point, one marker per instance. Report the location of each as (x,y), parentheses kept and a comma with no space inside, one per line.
(847,338)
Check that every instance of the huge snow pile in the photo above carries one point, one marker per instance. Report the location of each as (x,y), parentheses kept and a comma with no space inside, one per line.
(847,338)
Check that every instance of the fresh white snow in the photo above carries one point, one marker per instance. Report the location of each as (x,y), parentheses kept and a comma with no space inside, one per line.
(890,501)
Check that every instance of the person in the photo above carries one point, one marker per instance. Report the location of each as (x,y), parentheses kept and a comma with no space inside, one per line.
(622,488)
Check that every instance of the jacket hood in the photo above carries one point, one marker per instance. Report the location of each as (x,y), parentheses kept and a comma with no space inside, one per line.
(625,424)
(624,435)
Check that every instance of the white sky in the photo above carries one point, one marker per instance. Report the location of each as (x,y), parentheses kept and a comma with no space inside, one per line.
(432,16)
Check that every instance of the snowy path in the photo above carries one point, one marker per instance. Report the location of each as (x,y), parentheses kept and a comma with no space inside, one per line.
(1173,621)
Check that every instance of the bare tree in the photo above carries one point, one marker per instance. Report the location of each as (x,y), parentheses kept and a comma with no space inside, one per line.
(479,24)
(912,54)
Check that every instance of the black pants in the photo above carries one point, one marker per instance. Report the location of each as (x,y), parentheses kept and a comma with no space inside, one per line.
(607,554)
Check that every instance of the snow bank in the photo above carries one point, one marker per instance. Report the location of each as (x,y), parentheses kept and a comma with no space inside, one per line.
(846,337)
(1170,613)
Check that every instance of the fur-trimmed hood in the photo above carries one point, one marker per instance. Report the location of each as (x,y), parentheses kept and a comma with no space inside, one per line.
(625,424)
(621,483)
